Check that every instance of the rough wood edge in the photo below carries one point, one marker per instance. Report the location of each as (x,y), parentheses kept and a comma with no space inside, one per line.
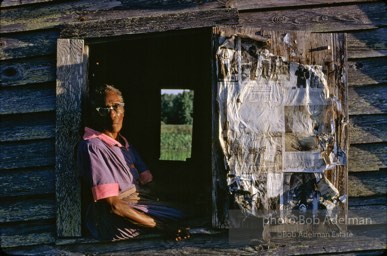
(72,58)
(27,182)
(246,5)
(28,44)
(367,157)
(324,19)
(111,26)
(9,241)
(368,129)
(13,3)
(42,209)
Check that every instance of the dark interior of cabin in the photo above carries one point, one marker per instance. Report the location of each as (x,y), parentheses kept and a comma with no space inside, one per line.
(143,66)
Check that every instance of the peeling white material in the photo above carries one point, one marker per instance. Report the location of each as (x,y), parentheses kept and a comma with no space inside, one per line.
(276,117)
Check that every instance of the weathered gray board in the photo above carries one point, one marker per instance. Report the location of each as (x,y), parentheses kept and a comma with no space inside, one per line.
(256,68)
(72,60)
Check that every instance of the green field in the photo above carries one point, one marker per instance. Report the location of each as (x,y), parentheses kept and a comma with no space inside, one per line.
(175,142)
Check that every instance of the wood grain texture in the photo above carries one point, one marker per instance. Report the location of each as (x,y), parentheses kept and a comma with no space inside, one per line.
(27,182)
(245,5)
(367,201)
(152,4)
(324,19)
(42,209)
(28,233)
(25,154)
(28,44)
(339,57)
(39,17)
(219,195)
(30,99)
(53,15)
(367,44)
(368,129)
(71,88)
(119,23)
(27,127)
(371,241)
(376,215)
(21,72)
(367,157)
(367,100)
(15,240)
(370,71)
(367,184)
(13,3)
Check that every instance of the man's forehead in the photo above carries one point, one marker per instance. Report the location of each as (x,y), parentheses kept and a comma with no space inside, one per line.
(111,96)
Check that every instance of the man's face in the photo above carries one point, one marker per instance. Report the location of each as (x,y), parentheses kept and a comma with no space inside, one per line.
(112,122)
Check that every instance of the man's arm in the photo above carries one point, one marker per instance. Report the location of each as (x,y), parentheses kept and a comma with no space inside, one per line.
(145,177)
(121,208)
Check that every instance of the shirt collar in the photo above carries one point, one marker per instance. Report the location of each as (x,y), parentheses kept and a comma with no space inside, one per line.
(90,134)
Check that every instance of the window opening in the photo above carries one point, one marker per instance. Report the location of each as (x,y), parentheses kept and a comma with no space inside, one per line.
(176,124)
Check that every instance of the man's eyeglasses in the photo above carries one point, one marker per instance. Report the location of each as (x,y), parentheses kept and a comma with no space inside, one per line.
(118,107)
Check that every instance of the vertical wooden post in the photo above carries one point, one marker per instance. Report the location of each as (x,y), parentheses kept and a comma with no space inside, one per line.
(340,60)
(214,141)
(71,85)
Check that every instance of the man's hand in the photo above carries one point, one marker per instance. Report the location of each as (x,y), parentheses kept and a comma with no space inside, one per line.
(145,177)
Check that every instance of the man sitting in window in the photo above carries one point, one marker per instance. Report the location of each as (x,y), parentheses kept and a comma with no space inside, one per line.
(114,176)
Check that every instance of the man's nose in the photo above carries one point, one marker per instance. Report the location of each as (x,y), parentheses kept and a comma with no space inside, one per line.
(113,113)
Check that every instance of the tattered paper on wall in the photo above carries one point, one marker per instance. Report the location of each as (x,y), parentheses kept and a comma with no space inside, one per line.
(278,129)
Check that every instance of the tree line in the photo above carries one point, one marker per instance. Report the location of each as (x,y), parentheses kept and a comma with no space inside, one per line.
(177,108)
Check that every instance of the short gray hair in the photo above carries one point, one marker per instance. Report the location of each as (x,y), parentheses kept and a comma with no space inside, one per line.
(98,96)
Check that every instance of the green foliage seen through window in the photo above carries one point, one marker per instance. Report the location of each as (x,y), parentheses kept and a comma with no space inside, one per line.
(176,124)
(177,108)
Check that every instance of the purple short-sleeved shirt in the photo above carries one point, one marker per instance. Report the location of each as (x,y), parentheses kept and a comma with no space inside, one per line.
(106,165)
(108,168)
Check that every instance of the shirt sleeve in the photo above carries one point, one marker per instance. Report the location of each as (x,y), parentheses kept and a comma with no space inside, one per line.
(97,169)
(138,162)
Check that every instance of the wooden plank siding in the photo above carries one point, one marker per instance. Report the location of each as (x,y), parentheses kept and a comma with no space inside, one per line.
(30,126)
(26,154)
(36,232)
(367,71)
(43,209)
(121,24)
(367,44)
(9,3)
(27,182)
(249,5)
(50,15)
(27,99)
(319,19)
(368,129)
(53,15)
(29,44)
(29,30)
(367,100)
(367,157)
(31,71)
(367,184)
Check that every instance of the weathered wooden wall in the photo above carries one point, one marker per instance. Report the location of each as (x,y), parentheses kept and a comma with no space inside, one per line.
(29,30)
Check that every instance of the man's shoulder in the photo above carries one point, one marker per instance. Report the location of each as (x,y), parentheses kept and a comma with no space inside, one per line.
(93,142)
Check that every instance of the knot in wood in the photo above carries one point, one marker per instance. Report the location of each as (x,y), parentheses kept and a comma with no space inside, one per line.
(279,19)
